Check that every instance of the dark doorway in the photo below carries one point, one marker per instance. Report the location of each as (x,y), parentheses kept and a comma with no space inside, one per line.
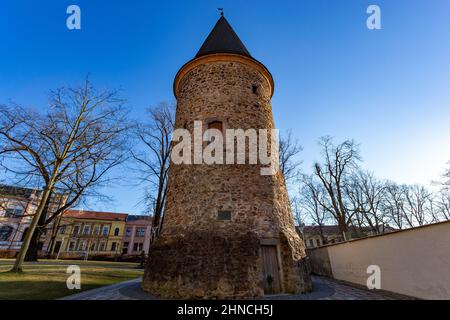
(57,247)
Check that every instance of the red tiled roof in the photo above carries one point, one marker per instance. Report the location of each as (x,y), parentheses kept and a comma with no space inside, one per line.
(316,229)
(97,215)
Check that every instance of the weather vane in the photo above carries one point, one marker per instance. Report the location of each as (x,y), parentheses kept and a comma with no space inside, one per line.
(221,11)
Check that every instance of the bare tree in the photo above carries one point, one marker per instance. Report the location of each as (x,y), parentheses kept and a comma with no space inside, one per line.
(393,204)
(289,148)
(153,157)
(298,213)
(312,195)
(446,176)
(366,193)
(339,162)
(443,204)
(74,144)
(416,210)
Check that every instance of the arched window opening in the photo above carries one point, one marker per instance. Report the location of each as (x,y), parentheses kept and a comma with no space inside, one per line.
(216,125)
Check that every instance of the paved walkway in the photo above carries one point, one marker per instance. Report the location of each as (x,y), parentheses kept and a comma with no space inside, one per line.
(324,289)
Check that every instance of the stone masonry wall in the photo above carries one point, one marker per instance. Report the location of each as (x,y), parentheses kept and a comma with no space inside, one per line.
(197,255)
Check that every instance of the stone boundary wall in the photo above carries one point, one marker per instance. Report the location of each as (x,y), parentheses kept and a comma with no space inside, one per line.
(413,262)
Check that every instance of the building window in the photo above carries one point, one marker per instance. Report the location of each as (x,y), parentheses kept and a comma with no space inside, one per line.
(224,215)
(86,230)
(62,229)
(72,246)
(128,232)
(116,231)
(96,230)
(113,246)
(57,248)
(137,247)
(311,243)
(82,245)
(101,246)
(140,232)
(13,212)
(76,230)
(125,247)
(92,247)
(255,89)
(5,233)
(105,231)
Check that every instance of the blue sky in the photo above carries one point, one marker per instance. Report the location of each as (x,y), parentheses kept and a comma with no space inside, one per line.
(388,89)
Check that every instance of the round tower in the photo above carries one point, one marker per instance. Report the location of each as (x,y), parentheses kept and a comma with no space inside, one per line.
(228,230)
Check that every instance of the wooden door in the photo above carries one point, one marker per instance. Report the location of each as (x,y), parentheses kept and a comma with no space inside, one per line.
(271,270)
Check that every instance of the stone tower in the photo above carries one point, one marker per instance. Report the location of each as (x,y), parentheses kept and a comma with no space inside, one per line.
(228,230)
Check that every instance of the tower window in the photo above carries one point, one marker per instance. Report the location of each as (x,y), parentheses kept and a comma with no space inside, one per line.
(255,89)
(224,215)
(216,125)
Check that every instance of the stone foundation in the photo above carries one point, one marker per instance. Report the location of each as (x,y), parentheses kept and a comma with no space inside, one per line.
(204,265)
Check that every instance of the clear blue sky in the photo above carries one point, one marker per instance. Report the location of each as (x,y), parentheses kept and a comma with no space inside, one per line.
(387,89)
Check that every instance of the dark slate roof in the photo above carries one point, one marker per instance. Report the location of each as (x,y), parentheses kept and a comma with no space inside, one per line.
(334,229)
(223,39)
(14,191)
(134,218)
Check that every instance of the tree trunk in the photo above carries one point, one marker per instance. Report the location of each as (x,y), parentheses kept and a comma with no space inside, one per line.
(343,228)
(17,268)
(32,252)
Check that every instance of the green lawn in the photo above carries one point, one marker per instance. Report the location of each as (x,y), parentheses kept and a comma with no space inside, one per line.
(46,279)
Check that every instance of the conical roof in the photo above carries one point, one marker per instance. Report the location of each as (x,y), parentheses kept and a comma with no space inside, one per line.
(223,39)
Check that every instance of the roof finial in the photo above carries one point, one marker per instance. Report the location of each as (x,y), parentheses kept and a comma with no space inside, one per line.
(221,11)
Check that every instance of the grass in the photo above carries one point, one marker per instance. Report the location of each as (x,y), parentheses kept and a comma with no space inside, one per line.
(46,279)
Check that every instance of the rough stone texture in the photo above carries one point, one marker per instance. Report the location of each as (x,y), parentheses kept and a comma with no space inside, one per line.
(196,255)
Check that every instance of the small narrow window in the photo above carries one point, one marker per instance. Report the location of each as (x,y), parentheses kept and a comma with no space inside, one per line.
(224,215)
(216,125)
(255,89)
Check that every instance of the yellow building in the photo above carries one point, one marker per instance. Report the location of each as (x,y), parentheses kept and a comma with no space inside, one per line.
(89,233)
